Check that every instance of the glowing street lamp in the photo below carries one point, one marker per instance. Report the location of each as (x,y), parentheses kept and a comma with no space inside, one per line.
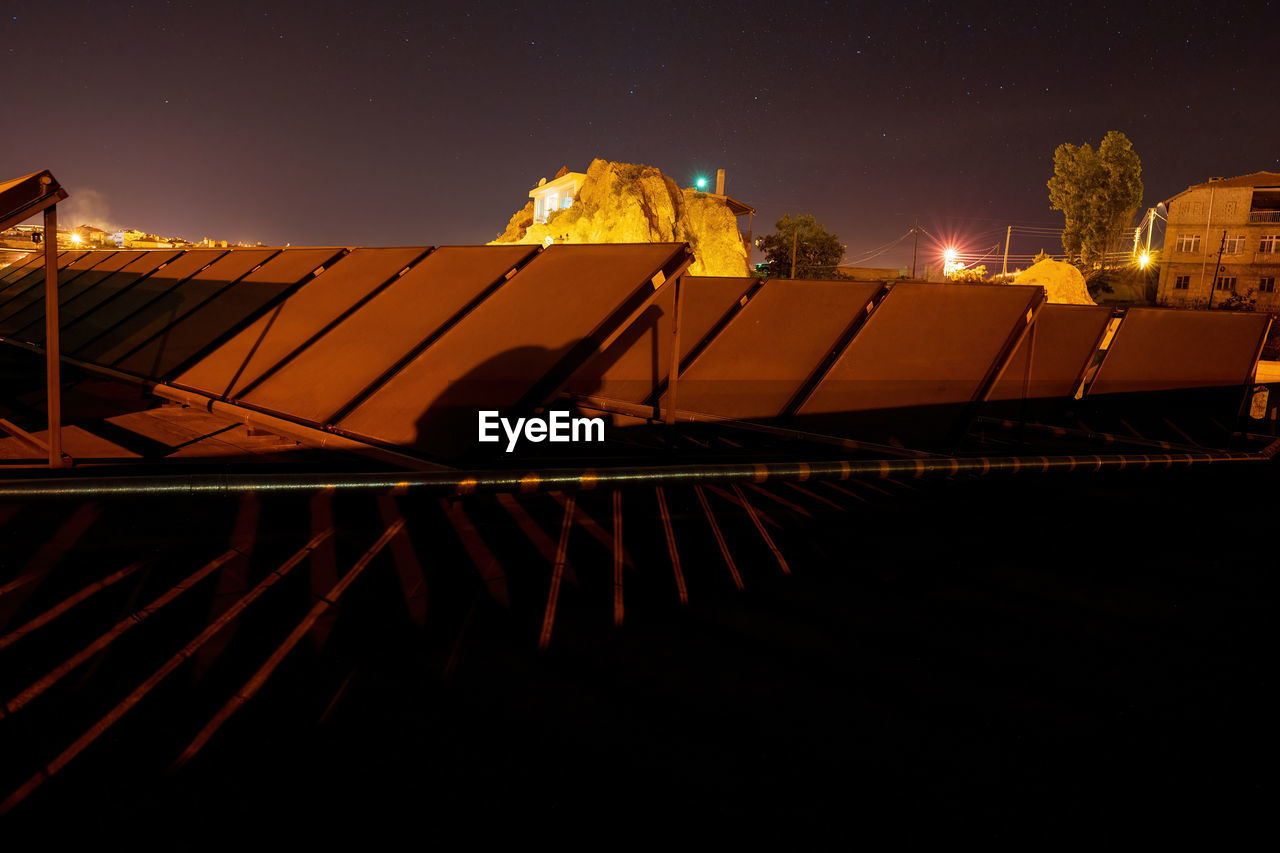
(701,182)
(75,239)
(1143,260)
(949,262)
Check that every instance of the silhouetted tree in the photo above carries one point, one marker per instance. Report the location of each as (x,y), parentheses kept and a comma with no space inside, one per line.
(818,251)
(1098,193)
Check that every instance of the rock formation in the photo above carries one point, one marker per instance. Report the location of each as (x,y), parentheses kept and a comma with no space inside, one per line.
(1063,283)
(626,203)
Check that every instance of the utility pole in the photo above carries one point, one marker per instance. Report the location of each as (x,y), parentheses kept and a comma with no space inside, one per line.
(1213,283)
(1007,234)
(795,235)
(1151,224)
(915,229)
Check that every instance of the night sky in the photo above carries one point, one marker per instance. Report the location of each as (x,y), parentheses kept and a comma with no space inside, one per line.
(424,123)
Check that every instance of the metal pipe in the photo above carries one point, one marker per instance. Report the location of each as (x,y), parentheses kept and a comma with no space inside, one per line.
(464,483)
(53,377)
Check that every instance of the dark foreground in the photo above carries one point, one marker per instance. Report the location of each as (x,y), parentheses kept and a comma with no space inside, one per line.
(1027,659)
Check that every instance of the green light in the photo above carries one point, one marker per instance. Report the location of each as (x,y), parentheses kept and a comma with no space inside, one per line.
(702,183)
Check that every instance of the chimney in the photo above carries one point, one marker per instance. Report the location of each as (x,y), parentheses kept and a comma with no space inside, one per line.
(1211,180)
(719,181)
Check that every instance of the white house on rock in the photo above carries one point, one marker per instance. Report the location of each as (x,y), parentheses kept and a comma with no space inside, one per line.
(553,195)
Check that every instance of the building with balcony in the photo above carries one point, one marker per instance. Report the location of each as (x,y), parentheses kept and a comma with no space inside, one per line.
(553,195)
(1223,238)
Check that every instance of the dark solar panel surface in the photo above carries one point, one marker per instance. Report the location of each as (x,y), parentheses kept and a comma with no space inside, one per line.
(83,303)
(224,312)
(532,332)
(764,356)
(87,288)
(295,321)
(171,305)
(1066,338)
(1160,349)
(93,267)
(351,357)
(924,345)
(33,276)
(633,367)
(95,332)
(21,267)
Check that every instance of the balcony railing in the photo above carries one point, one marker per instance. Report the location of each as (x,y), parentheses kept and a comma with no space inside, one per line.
(1264,216)
(1267,258)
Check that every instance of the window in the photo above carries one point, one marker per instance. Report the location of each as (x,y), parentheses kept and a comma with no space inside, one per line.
(1269,243)
(1182,282)
(1225,283)
(1188,243)
(1267,284)
(1233,245)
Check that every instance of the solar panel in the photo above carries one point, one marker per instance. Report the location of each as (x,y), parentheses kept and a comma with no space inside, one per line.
(172,304)
(634,367)
(34,275)
(20,310)
(146,263)
(768,351)
(298,319)
(224,311)
(21,267)
(515,346)
(1162,349)
(1066,338)
(91,334)
(84,289)
(353,355)
(925,345)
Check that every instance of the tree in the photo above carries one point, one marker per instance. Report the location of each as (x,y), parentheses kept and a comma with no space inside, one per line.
(1098,193)
(818,251)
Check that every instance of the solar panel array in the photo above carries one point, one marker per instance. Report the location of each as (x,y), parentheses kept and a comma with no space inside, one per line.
(401,346)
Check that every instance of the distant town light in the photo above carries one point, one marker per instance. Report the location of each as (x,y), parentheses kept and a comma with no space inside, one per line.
(75,239)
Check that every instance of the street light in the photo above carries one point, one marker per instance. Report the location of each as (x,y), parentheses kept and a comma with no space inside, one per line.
(701,182)
(949,262)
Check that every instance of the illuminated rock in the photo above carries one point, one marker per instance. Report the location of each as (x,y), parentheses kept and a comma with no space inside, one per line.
(1063,283)
(626,203)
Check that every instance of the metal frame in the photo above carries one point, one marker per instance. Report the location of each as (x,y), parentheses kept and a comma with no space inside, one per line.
(45,200)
